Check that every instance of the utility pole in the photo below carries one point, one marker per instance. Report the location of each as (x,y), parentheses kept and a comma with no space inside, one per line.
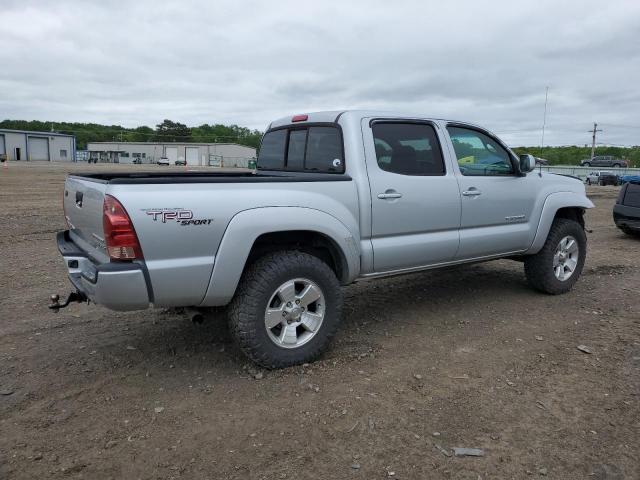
(544,118)
(593,143)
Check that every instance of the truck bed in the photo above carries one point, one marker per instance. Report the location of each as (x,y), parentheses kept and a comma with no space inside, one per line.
(265,176)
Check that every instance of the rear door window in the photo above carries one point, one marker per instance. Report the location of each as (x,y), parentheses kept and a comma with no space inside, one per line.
(310,149)
(407,148)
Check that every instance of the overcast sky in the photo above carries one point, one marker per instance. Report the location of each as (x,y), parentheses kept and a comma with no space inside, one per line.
(138,62)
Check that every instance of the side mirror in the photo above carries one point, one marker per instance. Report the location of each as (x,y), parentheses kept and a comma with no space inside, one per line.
(527,163)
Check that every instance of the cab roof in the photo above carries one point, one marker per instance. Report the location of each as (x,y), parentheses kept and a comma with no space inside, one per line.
(332,116)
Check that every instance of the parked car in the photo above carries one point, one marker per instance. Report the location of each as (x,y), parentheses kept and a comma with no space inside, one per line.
(604,161)
(593,178)
(629,178)
(181,161)
(609,178)
(163,161)
(626,211)
(337,197)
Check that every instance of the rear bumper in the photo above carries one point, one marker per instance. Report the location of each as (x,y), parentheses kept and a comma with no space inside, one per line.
(118,286)
(626,217)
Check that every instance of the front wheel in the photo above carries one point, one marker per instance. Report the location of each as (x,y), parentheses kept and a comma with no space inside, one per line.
(286,309)
(586,164)
(556,268)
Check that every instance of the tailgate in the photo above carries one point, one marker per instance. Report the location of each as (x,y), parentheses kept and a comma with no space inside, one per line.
(83,203)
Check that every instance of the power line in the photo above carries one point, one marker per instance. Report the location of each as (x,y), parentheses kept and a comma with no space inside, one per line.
(621,126)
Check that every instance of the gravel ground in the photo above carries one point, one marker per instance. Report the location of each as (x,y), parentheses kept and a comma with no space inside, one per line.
(462,357)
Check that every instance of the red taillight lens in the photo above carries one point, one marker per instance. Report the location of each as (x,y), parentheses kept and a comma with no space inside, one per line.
(119,235)
(300,118)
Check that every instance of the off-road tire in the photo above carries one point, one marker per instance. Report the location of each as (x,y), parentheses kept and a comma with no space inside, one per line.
(628,231)
(247,309)
(539,267)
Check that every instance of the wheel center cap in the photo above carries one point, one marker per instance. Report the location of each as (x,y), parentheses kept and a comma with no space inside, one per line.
(296,313)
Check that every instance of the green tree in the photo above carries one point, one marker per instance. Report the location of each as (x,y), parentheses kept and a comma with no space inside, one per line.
(169,131)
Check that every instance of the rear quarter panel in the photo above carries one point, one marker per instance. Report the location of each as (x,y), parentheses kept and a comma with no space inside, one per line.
(180,257)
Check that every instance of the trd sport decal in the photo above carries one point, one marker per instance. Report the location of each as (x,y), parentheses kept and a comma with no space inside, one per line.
(183,216)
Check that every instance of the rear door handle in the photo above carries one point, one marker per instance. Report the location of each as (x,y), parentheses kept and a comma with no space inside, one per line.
(472,192)
(389,194)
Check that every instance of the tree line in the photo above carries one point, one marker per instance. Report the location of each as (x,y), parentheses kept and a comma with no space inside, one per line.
(167,131)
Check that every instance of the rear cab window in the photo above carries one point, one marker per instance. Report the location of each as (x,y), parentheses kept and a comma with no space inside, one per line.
(308,148)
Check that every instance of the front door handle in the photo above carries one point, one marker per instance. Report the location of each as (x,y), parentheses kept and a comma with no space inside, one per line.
(389,194)
(472,192)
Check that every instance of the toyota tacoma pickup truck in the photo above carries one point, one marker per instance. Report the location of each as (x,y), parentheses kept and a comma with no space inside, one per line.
(337,197)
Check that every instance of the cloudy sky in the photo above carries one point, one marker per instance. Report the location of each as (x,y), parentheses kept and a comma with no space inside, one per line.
(138,62)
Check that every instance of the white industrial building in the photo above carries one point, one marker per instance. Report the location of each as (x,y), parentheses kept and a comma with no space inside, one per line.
(23,145)
(213,154)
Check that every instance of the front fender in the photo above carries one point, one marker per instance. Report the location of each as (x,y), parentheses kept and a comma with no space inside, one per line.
(552,204)
(245,227)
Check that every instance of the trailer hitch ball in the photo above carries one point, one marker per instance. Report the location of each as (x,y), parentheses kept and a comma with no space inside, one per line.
(55,304)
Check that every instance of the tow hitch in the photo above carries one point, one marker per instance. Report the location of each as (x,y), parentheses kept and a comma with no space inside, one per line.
(73,297)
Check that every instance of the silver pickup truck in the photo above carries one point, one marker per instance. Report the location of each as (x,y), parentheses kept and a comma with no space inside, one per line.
(337,197)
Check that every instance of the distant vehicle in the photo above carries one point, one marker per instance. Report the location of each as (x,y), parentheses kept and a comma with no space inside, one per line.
(541,161)
(163,161)
(630,178)
(626,211)
(604,161)
(182,162)
(137,161)
(609,178)
(593,178)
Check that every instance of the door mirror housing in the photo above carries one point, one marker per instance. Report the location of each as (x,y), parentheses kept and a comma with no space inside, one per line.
(527,163)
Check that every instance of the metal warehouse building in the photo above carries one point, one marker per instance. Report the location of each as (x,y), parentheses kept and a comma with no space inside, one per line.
(214,154)
(43,146)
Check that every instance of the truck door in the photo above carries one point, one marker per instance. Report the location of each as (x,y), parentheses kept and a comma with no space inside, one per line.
(415,200)
(497,203)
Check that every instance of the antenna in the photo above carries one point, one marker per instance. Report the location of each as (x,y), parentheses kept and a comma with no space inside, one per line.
(544,118)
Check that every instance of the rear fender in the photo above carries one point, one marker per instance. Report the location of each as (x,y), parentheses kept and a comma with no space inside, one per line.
(552,204)
(245,227)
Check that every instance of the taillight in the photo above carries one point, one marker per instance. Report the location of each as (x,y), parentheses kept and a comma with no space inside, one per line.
(64,208)
(300,118)
(119,235)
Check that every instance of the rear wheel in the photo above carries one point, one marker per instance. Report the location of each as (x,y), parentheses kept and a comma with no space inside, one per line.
(616,165)
(586,164)
(557,267)
(286,309)
(628,231)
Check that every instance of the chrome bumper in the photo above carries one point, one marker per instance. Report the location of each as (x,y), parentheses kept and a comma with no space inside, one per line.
(117,286)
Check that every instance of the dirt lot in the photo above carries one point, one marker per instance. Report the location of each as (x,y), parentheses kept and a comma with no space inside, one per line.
(466,357)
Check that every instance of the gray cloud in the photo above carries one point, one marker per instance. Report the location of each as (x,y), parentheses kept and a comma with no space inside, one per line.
(134,63)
